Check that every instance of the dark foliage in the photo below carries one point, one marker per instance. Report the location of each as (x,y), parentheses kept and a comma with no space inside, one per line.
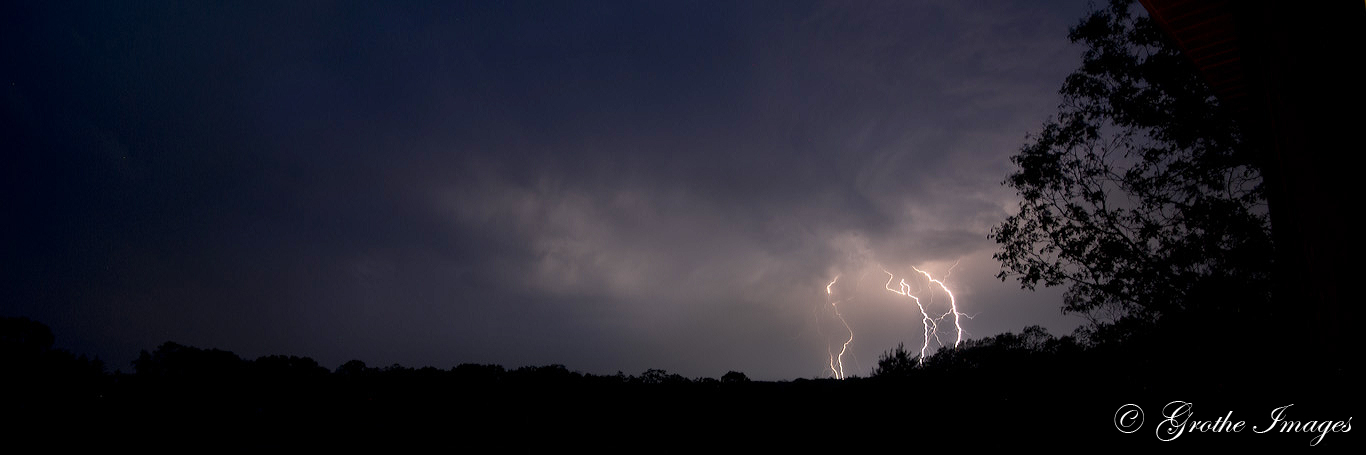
(734,377)
(1141,196)
(176,361)
(1019,387)
(1031,348)
(36,372)
(896,363)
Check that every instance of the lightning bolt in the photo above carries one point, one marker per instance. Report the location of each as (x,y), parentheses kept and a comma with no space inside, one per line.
(953,304)
(931,326)
(834,359)
(930,319)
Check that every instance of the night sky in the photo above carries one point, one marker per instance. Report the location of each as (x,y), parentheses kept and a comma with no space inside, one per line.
(611,186)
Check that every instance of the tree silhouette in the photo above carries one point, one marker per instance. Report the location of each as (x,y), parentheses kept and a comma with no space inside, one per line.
(354,368)
(177,361)
(896,363)
(734,377)
(658,376)
(24,337)
(1140,196)
(35,372)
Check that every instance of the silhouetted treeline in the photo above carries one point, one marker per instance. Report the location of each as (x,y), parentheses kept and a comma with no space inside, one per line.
(1028,389)
(1191,355)
(32,366)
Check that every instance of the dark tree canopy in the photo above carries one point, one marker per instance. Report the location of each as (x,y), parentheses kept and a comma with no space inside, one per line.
(1141,196)
(896,363)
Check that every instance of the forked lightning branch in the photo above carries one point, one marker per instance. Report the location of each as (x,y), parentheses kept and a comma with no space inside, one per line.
(930,318)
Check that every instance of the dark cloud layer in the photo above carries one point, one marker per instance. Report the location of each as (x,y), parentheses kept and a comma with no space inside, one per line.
(609,186)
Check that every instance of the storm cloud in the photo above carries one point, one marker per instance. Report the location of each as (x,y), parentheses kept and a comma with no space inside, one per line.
(606,185)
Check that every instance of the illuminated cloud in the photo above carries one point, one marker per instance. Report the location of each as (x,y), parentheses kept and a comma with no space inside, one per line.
(608,186)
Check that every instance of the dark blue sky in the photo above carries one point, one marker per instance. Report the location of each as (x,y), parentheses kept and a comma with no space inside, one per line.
(604,185)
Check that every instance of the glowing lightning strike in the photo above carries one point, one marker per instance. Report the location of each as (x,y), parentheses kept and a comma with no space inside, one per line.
(953,305)
(929,321)
(839,373)
(930,325)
